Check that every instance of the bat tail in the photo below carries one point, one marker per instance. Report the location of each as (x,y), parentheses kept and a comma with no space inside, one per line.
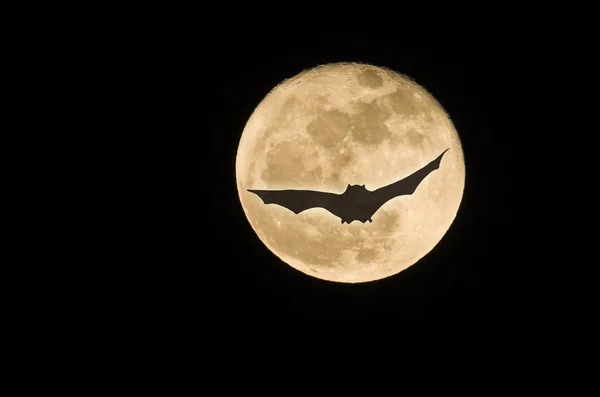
(343,221)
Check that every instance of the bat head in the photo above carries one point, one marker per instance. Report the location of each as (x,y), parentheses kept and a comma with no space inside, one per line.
(357,194)
(355,190)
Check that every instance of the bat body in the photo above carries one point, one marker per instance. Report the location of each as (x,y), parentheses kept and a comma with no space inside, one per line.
(356,203)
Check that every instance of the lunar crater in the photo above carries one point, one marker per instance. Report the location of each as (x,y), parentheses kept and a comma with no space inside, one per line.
(370,78)
(329,127)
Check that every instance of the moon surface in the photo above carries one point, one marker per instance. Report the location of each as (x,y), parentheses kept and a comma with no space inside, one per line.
(350,124)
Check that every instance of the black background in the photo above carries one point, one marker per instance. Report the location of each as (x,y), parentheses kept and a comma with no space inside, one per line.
(135,206)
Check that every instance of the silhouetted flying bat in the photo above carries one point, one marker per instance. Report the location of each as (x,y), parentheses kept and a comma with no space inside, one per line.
(356,203)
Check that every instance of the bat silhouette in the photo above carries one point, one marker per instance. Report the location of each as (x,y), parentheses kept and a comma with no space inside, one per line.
(356,203)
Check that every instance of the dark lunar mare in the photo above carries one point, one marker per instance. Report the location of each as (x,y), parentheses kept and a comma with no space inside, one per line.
(356,203)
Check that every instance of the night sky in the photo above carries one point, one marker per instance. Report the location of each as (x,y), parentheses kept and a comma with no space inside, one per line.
(137,210)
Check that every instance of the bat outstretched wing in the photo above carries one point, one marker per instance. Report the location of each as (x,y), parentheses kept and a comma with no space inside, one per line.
(300,200)
(407,185)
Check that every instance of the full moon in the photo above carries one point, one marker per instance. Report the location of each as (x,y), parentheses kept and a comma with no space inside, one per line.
(350,124)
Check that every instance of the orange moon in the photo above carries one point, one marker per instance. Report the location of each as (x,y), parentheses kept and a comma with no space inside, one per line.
(350,124)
